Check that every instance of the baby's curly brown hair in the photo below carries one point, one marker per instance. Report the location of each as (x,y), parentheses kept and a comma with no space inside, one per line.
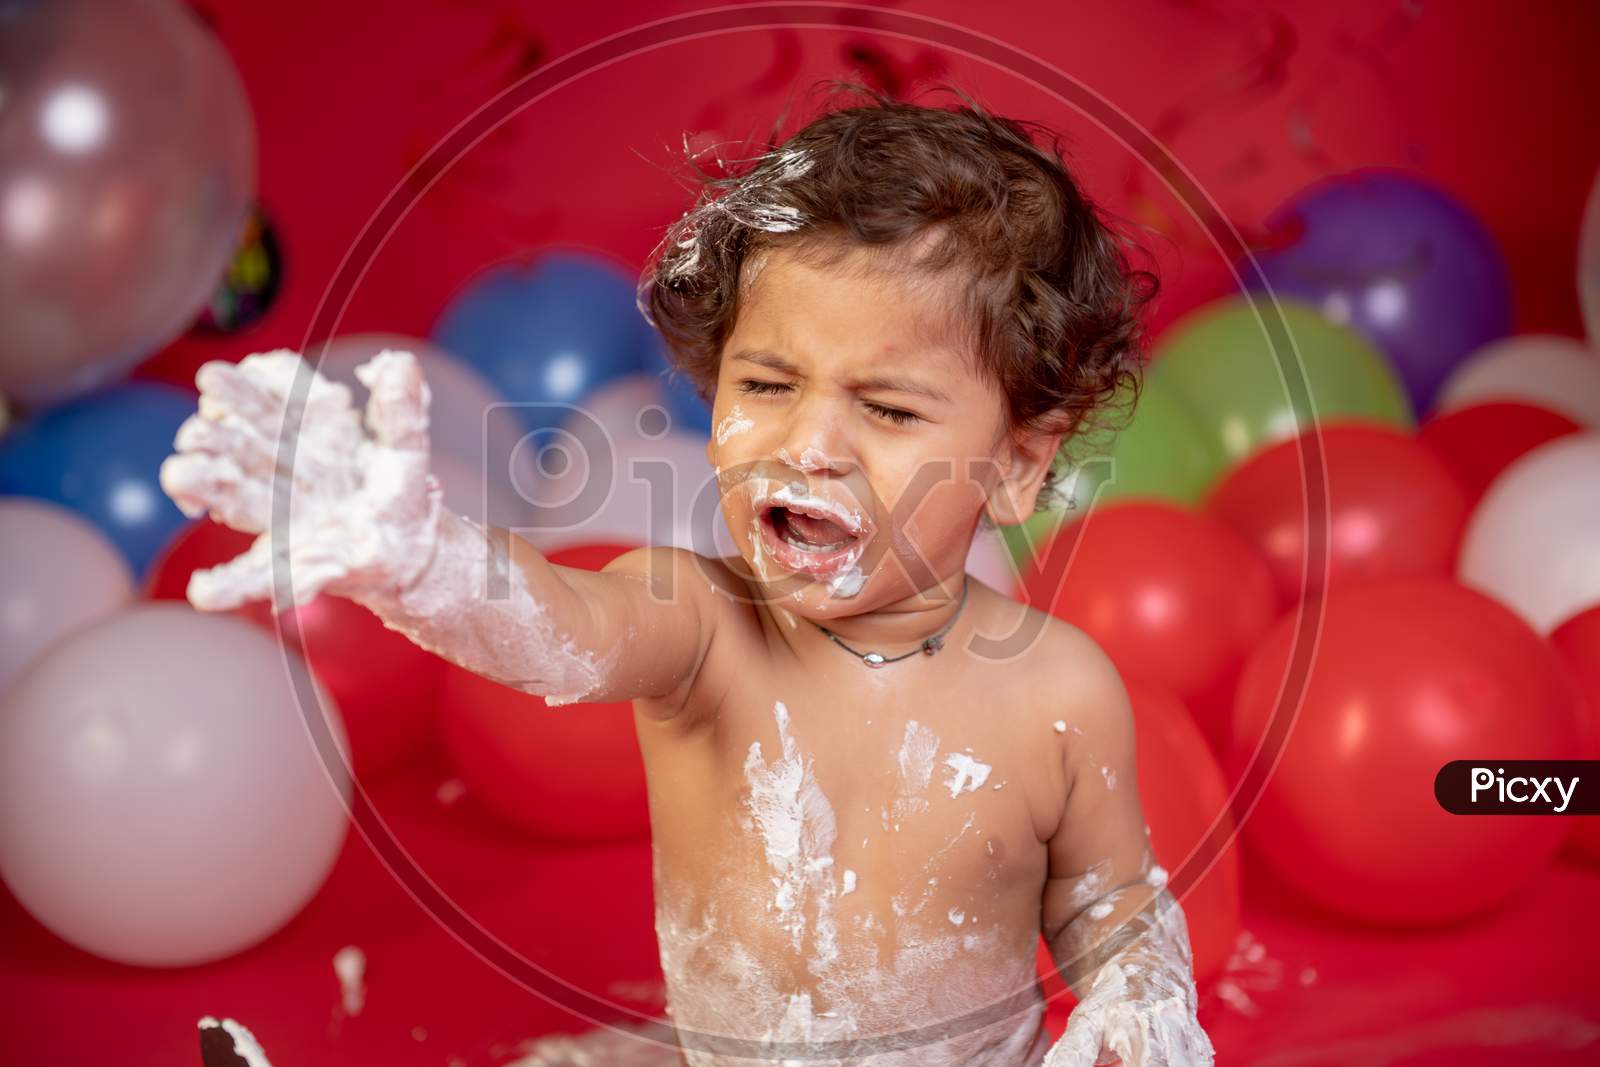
(1050,303)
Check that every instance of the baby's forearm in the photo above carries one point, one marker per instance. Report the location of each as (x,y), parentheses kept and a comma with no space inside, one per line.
(1128,960)
(515,622)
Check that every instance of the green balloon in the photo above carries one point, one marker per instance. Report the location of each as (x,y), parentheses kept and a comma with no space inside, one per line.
(1160,453)
(1219,365)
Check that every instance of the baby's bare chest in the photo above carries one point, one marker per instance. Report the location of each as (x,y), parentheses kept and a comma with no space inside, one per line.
(809,848)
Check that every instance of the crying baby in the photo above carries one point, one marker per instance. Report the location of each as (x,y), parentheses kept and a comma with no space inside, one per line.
(874,782)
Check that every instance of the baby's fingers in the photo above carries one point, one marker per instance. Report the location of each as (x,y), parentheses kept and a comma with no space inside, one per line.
(232,437)
(199,483)
(397,411)
(243,579)
(1080,1044)
(258,390)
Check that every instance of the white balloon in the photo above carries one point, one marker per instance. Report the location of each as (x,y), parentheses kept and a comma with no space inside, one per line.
(1533,543)
(57,573)
(1557,373)
(161,800)
(630,489)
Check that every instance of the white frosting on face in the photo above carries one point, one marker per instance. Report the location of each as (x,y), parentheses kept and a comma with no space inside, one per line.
(734,423)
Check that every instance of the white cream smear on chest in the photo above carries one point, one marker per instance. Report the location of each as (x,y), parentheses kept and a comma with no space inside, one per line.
(719,985)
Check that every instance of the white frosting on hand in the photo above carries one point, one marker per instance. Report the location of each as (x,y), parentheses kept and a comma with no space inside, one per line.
(1141,1003)
(362,510)
(365,517)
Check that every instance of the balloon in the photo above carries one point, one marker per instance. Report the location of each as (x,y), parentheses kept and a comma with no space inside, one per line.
(1400,261)
(1395,510)
(1555,373)
(1161,454)
(101,456)
(128,172)
(1405,676)
(625,407)
(572,772)
(1589,263)
(627,489)
(1577,641)
(161,803)
(550,333)
(386,687)
(1171,595)
(683,401)
(472,430)
(1480,441)
(1182,792)
(56,574)
(1219,365)
(1534,541)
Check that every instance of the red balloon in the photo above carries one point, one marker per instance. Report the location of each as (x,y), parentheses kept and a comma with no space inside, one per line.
(386,688)
(1172,596)
(1183,792)
(1578,642)
(195,547)
(570,772)
(1396,511)
(1480,441)
(1406,676)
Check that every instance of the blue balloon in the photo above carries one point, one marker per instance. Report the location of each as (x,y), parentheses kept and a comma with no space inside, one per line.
(678,394)
(548,334)
(100,455)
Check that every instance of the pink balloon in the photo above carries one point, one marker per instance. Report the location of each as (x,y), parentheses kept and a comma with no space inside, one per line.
(474,433)
(161,799)
(127,173)
(57,573)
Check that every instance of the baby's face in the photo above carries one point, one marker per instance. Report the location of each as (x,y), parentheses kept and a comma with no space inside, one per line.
(855,451)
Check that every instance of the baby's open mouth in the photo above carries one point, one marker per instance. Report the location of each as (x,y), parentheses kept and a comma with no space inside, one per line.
(809,533)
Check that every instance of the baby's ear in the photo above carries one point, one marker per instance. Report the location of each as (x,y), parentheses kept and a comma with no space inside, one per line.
(1023,472)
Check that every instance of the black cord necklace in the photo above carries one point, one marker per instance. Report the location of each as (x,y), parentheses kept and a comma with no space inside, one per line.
(928,647)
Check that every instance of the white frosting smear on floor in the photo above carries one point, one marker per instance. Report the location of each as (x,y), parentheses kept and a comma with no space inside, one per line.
(350,967)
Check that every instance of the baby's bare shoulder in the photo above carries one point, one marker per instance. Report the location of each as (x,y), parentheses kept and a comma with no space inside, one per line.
(1053,670)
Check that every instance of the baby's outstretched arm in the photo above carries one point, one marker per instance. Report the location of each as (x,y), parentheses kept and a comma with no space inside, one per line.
(364,521)
(1116,933)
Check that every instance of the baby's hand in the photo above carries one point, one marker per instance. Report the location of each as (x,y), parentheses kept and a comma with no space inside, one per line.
(1140,1007)
(363,511)
(1108,1025)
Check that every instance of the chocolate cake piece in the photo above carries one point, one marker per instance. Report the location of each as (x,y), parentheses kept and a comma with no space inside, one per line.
(229,1044)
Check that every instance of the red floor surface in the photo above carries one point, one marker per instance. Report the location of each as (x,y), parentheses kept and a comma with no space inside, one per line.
(1514,987)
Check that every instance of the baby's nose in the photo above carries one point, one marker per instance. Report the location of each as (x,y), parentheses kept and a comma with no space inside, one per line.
(816,444)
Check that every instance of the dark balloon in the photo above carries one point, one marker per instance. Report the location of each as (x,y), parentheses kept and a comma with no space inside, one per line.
(1399,260)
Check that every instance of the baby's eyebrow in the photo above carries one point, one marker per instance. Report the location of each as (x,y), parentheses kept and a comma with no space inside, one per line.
(901,385)
(771,360)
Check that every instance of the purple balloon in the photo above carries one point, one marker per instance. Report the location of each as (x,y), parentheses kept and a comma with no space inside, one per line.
(1400,261)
